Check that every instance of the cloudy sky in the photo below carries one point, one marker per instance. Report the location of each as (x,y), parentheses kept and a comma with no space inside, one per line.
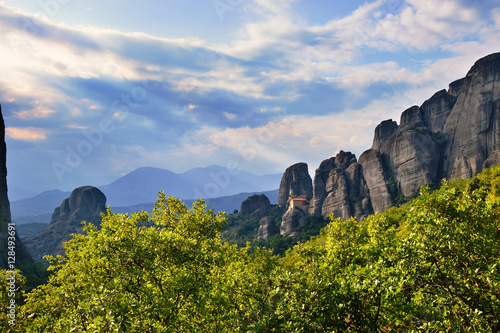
(91,90)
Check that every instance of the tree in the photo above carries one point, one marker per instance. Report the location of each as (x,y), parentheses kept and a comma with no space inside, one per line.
(431,265)
(138,273)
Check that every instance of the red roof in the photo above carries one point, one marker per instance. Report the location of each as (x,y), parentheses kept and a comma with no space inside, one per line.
(300,199)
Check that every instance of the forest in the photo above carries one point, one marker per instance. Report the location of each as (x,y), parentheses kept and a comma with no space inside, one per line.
(432,264)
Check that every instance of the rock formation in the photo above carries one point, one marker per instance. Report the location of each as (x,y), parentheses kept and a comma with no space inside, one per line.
(383,131)
(436,110)
(411,154)
(21,254)
(340,188)
(319,190)
(377,180)
(473,126)
(292,219)
(295,182)
(256,205)
(454,134)
(84,204)
(267,228)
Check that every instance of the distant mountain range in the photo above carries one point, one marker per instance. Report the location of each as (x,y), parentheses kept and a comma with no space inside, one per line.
(221,204)
(142,185)
(224,189)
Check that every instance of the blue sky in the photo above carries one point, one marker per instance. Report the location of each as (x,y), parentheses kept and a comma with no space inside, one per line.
(91,90)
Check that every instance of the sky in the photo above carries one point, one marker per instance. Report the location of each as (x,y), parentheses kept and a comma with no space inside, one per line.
(92,90)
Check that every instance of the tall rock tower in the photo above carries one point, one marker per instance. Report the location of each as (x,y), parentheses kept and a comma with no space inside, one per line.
(21,254)
(295,182)
(473,126)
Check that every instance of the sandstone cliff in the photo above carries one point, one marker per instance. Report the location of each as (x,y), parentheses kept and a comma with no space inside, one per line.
(292,219)
(455,133)
(473,126)
(377,180)
(84,204)
(340,188)
(411,154)
(267,228)
(256,206)
(295,182)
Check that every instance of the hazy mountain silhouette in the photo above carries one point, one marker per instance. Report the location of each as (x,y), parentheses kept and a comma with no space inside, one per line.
(142,185)
(43,203)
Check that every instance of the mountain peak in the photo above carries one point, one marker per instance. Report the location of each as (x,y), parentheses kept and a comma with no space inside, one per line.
(492,59)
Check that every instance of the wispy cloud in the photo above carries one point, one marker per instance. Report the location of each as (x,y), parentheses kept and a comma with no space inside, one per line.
(181,102)
(37,112)
(26,134)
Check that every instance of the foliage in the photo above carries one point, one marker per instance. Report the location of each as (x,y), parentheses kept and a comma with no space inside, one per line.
(432,265)
(277,244)
(10,298)
(243,229)
(134,276)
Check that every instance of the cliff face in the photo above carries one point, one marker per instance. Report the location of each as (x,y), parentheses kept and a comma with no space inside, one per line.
(256,205)
(22,254)
(377,180)
(473,126)
(292,219)
(267,228)
(454,134)
(411,155)
(84,204)
(295,182)
(339,188)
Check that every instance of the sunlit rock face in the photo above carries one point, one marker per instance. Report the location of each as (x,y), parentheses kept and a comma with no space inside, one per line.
(84,204)
(296,181)
(267,228)
(454,134)
(473,126)
(377,180)
(292,219)
(257,206)
(340,188)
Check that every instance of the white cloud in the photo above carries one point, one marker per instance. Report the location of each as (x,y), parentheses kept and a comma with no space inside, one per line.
(361,76)
(495,14)
(288,139)
(225,76)
(276,59)
(36,113)
(26,134)
(276,6)
(229,116)
(424,24)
